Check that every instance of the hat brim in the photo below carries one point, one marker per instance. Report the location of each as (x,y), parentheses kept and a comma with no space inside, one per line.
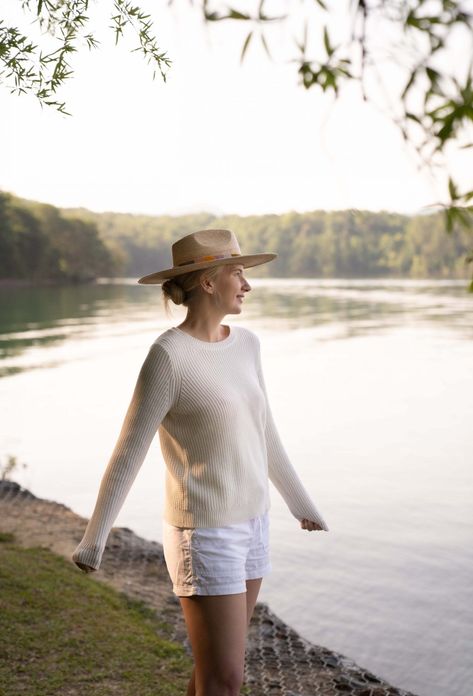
(247,261)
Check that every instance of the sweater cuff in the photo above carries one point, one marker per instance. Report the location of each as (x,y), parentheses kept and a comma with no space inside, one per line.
(88,555)
(309,512)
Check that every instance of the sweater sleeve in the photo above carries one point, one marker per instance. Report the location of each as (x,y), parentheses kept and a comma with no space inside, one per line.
(280,470)
(151,400)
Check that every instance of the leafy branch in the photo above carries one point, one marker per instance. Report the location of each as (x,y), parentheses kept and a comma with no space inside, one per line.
(24,66)
(128,14)
(447,107)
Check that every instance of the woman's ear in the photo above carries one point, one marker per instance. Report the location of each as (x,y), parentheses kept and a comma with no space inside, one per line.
(207,285)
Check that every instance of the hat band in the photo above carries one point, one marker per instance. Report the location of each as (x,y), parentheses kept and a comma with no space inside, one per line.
(212,257)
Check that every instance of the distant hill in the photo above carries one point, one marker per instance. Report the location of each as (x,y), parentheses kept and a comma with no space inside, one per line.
(43,242)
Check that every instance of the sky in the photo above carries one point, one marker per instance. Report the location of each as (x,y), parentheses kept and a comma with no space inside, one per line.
(217,136)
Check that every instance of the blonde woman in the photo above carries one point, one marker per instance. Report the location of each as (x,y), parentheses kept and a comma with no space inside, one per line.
(201,387)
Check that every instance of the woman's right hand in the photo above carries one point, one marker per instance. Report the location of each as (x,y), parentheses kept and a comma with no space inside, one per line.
(310,525)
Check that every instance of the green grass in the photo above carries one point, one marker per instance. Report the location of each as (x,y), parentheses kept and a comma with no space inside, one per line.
(61,632)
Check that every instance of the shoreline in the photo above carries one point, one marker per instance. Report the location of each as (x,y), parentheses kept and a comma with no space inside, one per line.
(279,661)
(51,282)
(46,282)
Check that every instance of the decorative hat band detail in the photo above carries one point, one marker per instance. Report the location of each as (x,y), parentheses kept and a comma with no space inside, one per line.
(212,257)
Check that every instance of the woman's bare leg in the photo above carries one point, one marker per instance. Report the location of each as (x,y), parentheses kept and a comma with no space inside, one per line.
(217,629)
(252,590)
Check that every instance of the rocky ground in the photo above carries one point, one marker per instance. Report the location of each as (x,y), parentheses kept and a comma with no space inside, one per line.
(279,661)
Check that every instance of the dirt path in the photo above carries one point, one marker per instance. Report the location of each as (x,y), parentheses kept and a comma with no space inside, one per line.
(279,662)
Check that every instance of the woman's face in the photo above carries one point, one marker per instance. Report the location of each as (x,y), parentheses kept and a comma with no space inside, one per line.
(231,286)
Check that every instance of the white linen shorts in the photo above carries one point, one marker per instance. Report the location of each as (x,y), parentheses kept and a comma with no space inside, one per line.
(216,560)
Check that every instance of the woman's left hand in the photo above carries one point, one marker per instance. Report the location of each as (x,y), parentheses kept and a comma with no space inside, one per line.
(310,525)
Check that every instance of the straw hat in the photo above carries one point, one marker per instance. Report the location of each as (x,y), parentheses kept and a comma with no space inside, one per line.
(204,249)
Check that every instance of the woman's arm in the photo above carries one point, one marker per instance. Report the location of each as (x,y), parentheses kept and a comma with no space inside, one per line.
(282,473)
(152,398)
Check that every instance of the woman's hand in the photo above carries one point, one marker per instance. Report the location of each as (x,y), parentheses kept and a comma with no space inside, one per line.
(309,525)
(84,567)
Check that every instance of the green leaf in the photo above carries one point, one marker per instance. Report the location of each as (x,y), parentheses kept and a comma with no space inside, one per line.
(432,74)
(245,46)
(237,15)
(328,47)
(452,189)
(413,117)
(263,41)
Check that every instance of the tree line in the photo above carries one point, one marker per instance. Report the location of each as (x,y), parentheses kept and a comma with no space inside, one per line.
(40,242)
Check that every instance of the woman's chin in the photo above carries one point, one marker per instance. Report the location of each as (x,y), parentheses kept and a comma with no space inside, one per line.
(235,309)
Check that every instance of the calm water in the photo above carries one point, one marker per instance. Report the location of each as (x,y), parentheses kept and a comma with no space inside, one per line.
(371,384)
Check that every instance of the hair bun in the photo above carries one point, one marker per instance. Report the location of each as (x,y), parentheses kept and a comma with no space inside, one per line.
(174,291)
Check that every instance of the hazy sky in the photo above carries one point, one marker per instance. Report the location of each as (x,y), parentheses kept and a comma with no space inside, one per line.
(215,137)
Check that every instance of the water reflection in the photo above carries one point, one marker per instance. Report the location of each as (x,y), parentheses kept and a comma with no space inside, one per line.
(48,316)
(44,317)
(363,306)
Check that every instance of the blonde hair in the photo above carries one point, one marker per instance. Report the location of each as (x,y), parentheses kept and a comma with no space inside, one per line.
(181,288)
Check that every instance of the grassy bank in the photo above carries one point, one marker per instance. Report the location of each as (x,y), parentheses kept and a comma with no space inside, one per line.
(61,632)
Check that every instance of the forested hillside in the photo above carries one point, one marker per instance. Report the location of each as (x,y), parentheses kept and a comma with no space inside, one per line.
(38,243)
(42,242)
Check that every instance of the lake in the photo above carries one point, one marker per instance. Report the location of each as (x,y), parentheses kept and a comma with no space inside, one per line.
(371,387)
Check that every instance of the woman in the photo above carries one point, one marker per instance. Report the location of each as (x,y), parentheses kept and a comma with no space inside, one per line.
(201,387)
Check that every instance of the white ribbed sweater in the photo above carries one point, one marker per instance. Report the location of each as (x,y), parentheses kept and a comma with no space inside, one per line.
(208,402)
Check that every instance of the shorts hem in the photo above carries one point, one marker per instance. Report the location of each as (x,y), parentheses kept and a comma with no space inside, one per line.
(255,573)
(184,591)
(209,590)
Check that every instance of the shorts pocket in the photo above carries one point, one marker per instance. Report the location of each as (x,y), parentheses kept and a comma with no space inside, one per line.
(177,554)
(185,569)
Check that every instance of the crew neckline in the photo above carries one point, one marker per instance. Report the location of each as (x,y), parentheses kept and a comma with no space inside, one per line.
(213,344)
